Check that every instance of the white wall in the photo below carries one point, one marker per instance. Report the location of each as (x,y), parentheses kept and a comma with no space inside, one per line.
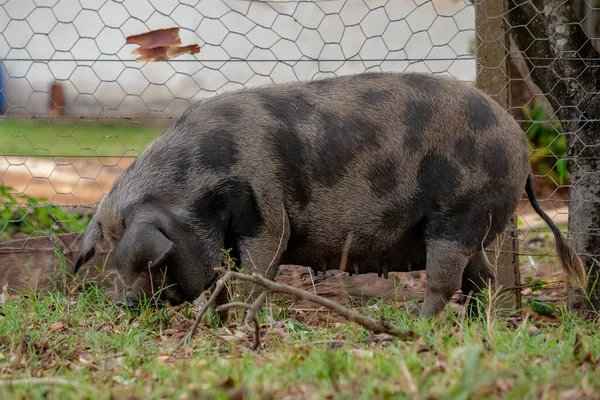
(81,44)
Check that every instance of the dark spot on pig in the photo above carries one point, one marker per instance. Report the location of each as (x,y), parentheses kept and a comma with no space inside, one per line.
(479,113)
(217,150)
(423,83)
(210,211)
(398,217)
(246,218)
(383,177)
(182,164)
(321,83)
(229,112)
(467,228)
(288,109)
(229,211)
(495,160)
(292,156)
(465,150)
(343,139)
(438,178)
(473,208)
(417,115)
(298,240)
(373,97)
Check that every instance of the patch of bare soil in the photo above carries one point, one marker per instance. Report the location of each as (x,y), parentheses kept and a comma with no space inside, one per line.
(62,181)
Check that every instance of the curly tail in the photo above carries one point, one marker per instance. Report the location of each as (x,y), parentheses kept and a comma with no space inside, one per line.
(569,260)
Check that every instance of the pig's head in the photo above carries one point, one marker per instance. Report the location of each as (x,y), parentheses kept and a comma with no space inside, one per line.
(155,252)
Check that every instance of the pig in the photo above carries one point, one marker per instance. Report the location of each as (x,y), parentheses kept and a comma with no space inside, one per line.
(283,173)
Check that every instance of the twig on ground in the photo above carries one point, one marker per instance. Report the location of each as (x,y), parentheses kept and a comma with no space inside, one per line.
(176,310)
(251,315)
(377,326)
(256,306)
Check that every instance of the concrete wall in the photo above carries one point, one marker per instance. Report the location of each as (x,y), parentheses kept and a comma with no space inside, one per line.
(80,43)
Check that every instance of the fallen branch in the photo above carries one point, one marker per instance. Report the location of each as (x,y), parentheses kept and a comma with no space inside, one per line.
(376,326)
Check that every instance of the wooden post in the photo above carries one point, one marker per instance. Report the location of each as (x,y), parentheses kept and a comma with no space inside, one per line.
(56,105)
(492,77)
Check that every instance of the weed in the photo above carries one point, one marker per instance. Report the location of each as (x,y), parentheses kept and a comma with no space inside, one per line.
(545,135)
(29,215)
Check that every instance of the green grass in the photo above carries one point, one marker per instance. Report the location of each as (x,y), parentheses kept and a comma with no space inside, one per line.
(60,138)
(83,346)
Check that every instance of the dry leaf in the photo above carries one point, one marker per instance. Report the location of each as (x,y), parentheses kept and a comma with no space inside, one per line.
(160,45)
(440,364)
(232,338)
(176,333)
(156,38)
(361,353)
(164,53)
(382,337)
(57,326)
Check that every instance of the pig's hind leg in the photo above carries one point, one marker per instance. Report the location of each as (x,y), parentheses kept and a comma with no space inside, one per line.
(452,241)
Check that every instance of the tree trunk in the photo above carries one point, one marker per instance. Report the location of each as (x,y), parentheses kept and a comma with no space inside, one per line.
(566,67)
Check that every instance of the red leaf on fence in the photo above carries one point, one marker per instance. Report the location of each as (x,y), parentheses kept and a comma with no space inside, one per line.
(160,45)
(164,53)
(156,38)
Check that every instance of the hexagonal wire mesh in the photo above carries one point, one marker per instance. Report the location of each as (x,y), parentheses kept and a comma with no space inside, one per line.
(113,106)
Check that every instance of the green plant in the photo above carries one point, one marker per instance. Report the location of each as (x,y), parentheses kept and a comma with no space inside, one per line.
(29,215)
(539,306)
(549,144)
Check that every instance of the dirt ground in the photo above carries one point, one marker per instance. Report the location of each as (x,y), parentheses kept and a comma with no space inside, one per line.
(62,181)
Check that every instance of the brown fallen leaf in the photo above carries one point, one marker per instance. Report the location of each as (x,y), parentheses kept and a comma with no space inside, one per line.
(232,339)
(164,53)
(57,326)
(176,333)
(361,353)
(156,38)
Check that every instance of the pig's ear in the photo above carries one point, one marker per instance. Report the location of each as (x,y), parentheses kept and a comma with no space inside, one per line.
(91,237)
(141,244)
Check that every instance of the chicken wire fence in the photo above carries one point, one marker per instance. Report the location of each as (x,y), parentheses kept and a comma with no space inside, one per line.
(78,108)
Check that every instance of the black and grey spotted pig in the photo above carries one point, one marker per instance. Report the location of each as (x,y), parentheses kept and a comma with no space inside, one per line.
(284,173)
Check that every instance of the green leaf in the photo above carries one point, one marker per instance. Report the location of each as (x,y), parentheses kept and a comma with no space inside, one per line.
(542,307)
